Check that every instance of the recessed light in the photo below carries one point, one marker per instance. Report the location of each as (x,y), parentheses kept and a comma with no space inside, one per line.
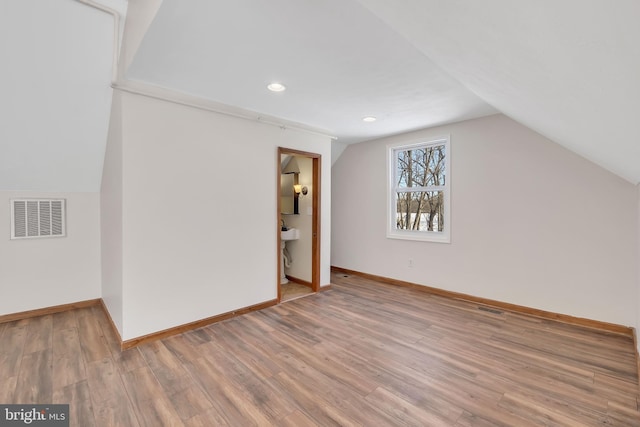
(276,87)
(369,119)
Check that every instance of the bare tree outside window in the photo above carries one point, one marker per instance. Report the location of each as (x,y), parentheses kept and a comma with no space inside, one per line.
(420,174)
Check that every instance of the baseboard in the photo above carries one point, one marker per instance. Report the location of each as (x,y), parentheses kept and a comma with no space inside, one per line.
(143,339)
(635,347)
(309,284)
(113,324)
(565,318)
(299,281)
(48,310)
(194,325)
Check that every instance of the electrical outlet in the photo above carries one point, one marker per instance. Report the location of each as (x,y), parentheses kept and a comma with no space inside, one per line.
(410,262)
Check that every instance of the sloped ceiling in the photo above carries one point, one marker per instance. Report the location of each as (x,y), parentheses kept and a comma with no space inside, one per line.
(56,94)
(568,70)
(339,62)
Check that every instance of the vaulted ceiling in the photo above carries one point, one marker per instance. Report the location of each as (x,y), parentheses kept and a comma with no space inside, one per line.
(56,95)
(568,70)
(338,60)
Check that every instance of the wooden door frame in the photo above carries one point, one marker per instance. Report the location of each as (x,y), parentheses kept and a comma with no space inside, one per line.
(315,219)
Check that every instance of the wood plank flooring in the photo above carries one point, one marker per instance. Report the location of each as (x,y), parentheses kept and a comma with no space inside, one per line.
(363,353)
(293,290)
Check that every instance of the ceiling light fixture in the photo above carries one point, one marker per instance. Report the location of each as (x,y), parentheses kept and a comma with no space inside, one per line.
(276,87)
(369,119)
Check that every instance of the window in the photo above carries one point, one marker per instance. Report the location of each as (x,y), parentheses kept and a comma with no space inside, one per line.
(37,218)
(419,191)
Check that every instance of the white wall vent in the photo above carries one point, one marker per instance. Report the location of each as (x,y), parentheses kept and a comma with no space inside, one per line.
(32,218)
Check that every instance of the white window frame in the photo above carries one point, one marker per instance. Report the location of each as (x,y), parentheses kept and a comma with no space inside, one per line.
(443,236)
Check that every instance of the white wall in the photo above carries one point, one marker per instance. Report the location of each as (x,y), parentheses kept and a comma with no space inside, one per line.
(638,273)
(111,216)
(139,16)
(301,250)
(199,224)
(39,273)
(337,148)
(532,223)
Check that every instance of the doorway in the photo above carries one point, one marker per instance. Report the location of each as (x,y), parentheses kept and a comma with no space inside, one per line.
(302,268)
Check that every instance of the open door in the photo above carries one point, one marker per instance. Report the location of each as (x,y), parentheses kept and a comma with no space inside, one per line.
(313,210)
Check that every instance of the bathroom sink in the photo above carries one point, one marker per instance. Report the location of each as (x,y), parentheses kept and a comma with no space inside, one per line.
(290,234)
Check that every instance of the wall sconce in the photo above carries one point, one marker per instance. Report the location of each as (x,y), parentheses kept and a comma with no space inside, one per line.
(300,189)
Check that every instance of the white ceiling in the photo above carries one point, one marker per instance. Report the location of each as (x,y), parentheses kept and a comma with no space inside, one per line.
(337,59)
(568,70)
(55,104)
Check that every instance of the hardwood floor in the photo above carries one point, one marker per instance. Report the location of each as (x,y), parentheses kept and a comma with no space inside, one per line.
(293,290)
(363,353)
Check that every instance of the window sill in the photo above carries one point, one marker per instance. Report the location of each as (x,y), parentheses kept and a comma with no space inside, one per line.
(421,236)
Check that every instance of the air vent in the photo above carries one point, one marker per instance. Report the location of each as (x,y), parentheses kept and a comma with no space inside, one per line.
(32,218)
(489,310)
